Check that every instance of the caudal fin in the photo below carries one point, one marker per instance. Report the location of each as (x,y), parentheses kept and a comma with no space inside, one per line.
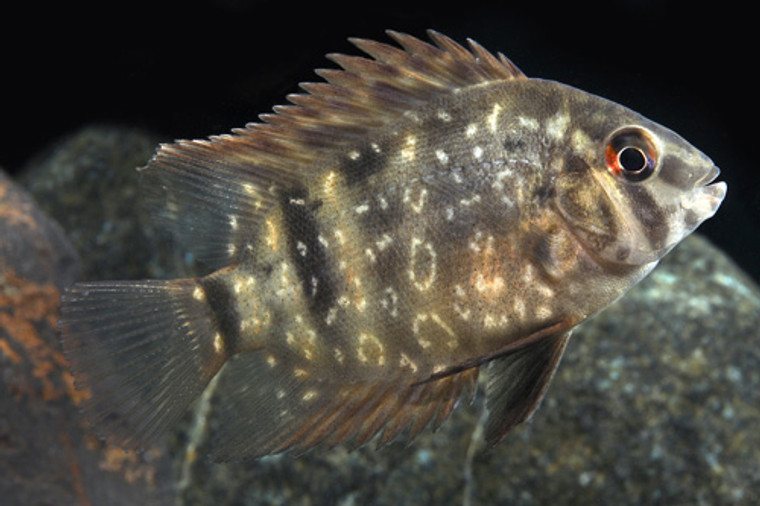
(143,349)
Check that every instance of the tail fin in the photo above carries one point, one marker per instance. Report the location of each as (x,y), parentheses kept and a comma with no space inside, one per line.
(144,350)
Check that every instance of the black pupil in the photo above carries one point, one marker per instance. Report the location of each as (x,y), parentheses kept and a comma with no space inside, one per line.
(632,159)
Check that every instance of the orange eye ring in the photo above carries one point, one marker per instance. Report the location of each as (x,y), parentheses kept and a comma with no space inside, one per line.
(631,153)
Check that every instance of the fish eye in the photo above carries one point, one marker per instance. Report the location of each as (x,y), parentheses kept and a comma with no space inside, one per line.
(630,153)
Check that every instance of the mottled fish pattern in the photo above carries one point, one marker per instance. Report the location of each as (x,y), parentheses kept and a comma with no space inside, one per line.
(425,214)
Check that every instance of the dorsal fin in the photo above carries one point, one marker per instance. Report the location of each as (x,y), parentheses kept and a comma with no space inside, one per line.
(212,192)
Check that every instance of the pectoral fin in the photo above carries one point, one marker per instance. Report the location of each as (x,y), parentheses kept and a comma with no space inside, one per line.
(518,381)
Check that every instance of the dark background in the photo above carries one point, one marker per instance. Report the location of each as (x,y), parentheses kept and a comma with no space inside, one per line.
(192,69)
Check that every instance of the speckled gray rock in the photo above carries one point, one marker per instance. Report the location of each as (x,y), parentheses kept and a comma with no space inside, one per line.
(656,401)
(88,181)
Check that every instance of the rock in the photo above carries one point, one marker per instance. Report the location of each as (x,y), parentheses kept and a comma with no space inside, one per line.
(656,401)
(89,182)
(48,455)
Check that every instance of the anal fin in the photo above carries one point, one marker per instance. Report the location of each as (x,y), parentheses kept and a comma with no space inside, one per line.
(269,405)
(518,381)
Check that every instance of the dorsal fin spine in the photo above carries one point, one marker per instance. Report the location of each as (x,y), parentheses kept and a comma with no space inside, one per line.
(365,94)
(285,145)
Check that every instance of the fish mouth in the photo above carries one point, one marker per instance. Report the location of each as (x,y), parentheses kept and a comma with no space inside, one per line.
(709,177)
(707,195)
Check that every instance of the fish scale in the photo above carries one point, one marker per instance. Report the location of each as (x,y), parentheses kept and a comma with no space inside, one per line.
(423,216)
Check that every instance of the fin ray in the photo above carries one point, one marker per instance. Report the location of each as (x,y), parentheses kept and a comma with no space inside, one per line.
(143,351)
(518,381)
(265,410)
(212,193)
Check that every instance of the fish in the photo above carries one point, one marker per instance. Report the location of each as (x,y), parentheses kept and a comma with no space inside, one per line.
(423,215)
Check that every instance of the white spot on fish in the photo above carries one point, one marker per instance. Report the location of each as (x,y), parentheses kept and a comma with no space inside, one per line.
(544,290)
(409,151)
(519,306)
(443,115)
(241,283)
(332,313)
(492,286)
(423,319)
(453,342)
(493,118)
(314,285)
(580,141)
(442,156)
(420,318)
(463,312)
(422,263)
(528,275)
(390,301)
(420,201)
(468,202)
(384,242)
(218,343)
(498,183)
(413,115)
(417,207)
(407,362)
(543,312)
(370,349)
(528,123)
(556,126)
(273,235)
(474,243)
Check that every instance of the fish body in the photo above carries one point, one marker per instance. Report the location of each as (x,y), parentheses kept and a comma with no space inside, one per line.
(417,219)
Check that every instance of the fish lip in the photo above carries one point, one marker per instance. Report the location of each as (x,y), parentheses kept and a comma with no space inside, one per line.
(709,177)
(716,191)
(711,189)
(705,200)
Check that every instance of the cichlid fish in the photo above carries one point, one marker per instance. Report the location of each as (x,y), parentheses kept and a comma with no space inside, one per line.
(421,216)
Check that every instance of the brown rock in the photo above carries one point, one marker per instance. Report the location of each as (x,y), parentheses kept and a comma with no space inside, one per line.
(48,455)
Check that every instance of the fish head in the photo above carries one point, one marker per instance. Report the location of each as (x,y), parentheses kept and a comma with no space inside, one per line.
(630,189)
